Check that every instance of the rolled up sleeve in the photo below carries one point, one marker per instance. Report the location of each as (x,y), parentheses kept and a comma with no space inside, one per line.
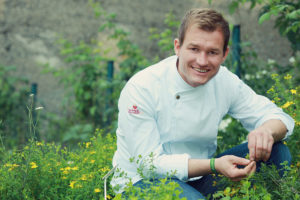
(253,109)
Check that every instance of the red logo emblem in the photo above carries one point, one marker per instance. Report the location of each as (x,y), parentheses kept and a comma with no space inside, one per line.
(134,110)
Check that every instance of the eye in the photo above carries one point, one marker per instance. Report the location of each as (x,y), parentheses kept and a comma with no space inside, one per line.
(213,53)
(194,49)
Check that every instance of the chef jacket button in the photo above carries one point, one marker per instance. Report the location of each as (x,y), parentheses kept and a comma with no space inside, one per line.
(177,96)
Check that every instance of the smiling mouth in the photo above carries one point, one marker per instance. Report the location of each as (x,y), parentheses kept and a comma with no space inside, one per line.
(200,70)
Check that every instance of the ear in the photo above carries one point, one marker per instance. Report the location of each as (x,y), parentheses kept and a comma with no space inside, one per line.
(177,46)
(225,54)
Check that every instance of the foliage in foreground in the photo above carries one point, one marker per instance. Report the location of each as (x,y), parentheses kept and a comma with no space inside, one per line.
(265,185)
(48,171)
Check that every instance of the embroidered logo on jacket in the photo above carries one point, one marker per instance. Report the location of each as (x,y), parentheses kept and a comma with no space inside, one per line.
(134,110)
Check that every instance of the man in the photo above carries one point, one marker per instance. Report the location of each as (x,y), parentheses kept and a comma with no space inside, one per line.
(173,109)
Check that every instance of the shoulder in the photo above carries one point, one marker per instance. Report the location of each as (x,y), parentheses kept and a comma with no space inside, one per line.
(152,75)
(145,87)
(225,74)
(225,78)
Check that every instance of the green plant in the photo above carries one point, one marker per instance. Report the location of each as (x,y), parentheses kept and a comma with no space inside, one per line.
(165,38)
(286,12)
(13,98)
(92,96)
(164,189)
(48,171)
(266,184)
(286,95)
(157,188)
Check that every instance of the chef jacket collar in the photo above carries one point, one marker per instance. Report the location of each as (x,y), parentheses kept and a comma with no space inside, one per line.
(177,83)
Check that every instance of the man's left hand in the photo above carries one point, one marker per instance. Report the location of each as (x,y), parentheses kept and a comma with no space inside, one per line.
(260,143)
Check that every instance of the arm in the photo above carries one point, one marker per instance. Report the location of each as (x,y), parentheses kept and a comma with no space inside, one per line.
(265,122)
(226,165)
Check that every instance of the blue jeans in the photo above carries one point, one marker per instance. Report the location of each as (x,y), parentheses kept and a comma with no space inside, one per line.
(198,189)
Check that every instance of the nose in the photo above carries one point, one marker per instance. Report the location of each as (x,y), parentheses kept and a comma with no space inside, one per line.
(202,59)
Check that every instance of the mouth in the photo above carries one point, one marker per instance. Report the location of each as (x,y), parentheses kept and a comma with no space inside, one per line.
(200,70)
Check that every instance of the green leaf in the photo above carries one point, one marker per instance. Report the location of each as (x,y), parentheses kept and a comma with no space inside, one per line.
(265,16)
(294,15)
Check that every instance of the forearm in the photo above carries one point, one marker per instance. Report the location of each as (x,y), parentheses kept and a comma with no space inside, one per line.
(198,167)
(276,127)
(226,165)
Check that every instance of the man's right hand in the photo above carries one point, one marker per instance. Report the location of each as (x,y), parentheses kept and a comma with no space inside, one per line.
(227,165)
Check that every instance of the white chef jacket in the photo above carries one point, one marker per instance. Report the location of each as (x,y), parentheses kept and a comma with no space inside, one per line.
(160,113)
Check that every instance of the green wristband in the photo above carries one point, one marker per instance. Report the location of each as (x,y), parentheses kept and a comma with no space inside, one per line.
(212,166)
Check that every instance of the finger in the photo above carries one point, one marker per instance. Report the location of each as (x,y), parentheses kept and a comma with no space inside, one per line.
(240,173)
(245,172)
(258,149)
(240,161)
(251,147)
(253,169)
(269,150)
(249,167)
(265,147)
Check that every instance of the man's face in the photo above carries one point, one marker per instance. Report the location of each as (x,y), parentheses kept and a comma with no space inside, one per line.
(200,55)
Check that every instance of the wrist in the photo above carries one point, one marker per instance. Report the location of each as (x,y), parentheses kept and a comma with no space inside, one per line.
(212,166)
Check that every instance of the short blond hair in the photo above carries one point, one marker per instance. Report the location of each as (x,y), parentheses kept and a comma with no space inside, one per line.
(207,20)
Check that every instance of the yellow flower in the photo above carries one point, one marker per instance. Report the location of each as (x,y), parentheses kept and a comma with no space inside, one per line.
(287,104)
(287,77)
(274,76)
(33,165)
(67,168)
(284,142)
(92,161)
(74,168)
(64,177)
(105,169)
(72,183)
(97,190)
(108,196)
(83,178)
(39,144)
(293,91)
(87,144)
(92,152)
